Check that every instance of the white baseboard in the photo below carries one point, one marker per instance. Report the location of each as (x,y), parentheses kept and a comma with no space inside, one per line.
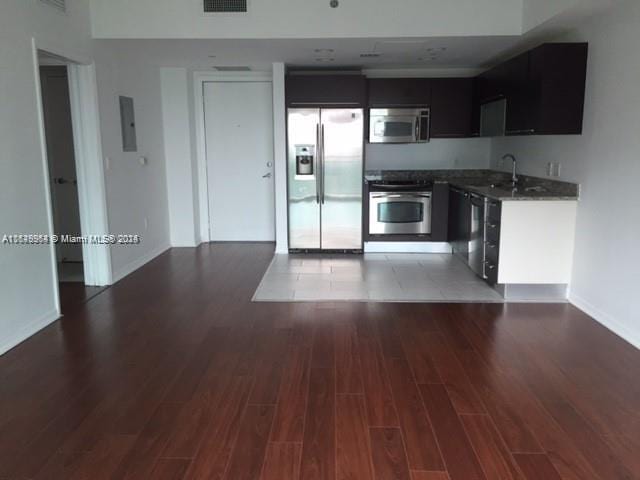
(407,247)
(606,320)
(29,330)
(131,267)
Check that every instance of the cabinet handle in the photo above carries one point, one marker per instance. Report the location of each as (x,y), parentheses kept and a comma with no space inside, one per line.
(492,225)
(517,132)
(492,246)
(490,265)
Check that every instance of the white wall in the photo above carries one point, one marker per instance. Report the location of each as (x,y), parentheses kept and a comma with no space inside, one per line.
(535,12)
(605,161)
(280,158)
(27,299)
(135,193)
(307,19)
(437,154)
(177,119)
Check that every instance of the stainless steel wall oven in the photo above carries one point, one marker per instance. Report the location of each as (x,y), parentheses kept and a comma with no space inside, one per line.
(400,210)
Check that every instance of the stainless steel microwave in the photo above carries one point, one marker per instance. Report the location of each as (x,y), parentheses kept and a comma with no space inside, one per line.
(399,125)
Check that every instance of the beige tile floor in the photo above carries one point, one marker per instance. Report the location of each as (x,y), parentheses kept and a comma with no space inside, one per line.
(372,277)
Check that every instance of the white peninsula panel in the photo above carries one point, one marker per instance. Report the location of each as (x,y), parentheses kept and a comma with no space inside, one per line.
(537,242)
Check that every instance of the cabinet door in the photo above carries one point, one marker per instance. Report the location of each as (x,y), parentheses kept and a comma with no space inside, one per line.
(520,96)
(320,90)
(558,76)
(451,106)
(390,92)
(440,212)
(459,222)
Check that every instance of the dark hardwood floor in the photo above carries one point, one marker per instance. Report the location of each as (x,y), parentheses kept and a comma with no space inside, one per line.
(75,294)
(174,373)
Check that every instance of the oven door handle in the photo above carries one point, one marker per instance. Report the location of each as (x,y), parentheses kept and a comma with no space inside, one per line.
(424,195)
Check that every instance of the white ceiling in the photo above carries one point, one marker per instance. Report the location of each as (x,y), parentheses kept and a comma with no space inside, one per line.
(420,53)
(433,53)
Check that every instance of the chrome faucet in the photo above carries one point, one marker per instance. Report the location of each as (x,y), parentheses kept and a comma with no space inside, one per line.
(514,176)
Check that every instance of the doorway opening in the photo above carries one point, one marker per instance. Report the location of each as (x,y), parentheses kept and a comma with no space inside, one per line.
(81,268)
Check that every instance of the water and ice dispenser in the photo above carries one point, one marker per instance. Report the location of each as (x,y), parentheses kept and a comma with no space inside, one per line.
(305,159)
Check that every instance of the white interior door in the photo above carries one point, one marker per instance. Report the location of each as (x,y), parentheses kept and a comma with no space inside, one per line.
(239,147)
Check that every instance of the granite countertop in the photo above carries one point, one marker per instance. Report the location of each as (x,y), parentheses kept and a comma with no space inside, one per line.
(489,183)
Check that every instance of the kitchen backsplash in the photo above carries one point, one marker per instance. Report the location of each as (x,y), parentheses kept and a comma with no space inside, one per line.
(437,154)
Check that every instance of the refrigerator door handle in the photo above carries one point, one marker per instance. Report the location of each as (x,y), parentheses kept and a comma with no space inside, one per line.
(322,165)
(317,164)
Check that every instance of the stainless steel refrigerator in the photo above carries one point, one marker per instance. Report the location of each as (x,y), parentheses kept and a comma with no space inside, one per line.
(325,175)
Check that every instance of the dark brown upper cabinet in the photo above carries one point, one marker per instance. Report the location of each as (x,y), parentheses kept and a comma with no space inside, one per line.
(557,76)
(451,107)
(544,88)
(326,90)
(398,92)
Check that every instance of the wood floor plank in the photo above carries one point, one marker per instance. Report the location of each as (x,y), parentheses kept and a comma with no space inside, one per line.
(459,457)
(215,450)
(190,427)
(503,399)
(288,424)
(419,357)
(282,461)
(353,444)
(495,459)
(319,445)
(248,455)
(378,397)
(348,372)
(389,456)
(323,355)
(418,475)
(269,367)
(536,467)
(141,458)
(420,442)
(170,469)
(463,396)
(387,331)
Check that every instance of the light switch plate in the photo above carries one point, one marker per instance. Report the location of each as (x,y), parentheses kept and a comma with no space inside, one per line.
(557,170)
(550,169)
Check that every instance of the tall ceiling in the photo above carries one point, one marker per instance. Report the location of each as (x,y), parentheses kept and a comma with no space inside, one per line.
(172,33)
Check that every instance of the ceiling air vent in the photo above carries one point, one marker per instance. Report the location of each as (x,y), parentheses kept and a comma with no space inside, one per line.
(225,6)
(58,4)
(233,69)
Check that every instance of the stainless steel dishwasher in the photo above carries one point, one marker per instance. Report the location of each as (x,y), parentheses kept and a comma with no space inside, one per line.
(477,234)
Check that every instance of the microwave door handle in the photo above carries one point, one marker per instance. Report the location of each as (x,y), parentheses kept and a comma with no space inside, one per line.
(418,128)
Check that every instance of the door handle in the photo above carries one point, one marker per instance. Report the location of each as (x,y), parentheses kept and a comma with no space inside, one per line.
(317,164)
(266,175)
(323,165)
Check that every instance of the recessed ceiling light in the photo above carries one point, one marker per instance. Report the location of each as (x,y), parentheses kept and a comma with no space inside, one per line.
(369,55)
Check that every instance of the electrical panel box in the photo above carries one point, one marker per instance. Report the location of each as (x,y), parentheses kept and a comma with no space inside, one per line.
(128,123)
